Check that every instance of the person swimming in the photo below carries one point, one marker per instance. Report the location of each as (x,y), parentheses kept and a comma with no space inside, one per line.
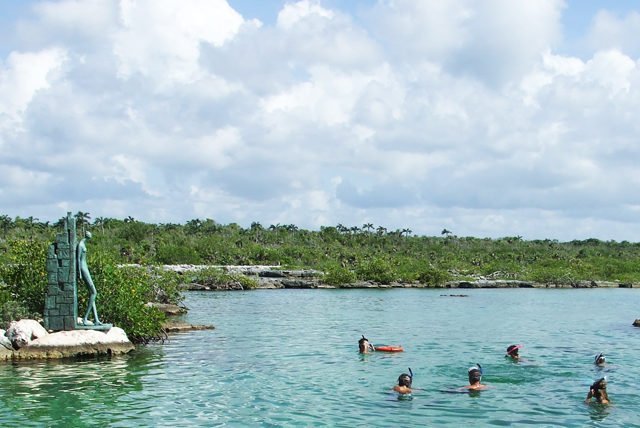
(598,390)
(475,378)
(512,352)
(364,346)
(404,383)
(600,360)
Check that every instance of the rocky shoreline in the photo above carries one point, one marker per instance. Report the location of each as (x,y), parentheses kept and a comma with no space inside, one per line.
(273,277)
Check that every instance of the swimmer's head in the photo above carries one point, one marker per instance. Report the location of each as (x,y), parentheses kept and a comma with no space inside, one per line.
(512,351)
(600,359)
(598,390)
(404,380)
(599,384)
(363,344)
(475,374)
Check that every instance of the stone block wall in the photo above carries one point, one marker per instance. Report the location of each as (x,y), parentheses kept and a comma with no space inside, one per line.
(60,309)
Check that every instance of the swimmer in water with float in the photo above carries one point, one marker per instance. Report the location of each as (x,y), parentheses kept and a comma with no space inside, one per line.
(364,346)
(598,391)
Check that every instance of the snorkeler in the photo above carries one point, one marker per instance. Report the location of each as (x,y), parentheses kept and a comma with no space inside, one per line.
(512,352)
(600,360)
(475,378)
(598,390)
(364,346)
(404,383)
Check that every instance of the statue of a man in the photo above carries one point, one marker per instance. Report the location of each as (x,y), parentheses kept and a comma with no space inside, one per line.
(83,272)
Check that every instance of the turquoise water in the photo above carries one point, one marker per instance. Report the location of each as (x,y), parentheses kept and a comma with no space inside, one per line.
(289,358)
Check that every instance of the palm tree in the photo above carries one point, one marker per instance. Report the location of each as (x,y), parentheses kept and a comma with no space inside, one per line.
(82,218)
(407,232)
(367,226)
(5,223)
(445,232)
(99,222)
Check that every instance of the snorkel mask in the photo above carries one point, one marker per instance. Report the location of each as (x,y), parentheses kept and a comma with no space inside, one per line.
(475,374)
(406,379)
(512,351)
(361,342)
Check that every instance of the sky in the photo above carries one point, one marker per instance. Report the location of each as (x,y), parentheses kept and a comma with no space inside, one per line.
(488,118)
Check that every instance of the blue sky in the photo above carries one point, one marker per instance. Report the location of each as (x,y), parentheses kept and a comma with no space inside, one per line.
(488,118)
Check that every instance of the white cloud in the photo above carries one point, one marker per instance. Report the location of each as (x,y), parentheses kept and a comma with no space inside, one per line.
(295,13)
(612,70)
(457,114)
(23,75)
(611,32)
(494,41)
(161,39)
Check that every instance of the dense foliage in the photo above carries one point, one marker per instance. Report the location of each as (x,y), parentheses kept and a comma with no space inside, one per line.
(345,254)
(123,293)
(366,252)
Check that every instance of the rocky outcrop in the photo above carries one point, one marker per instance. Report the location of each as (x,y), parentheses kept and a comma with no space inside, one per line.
(273,277)
(73,343)
(178,327)
(21,332)
(4,341)
(168,308)
(636,323)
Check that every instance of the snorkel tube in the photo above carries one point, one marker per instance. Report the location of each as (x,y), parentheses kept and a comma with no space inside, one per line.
(475,374)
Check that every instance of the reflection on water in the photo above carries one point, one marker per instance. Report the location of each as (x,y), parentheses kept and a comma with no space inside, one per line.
(598,412)
(289,357)
(72,392)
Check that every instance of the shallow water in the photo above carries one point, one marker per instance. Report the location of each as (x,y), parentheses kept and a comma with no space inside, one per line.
(289,358)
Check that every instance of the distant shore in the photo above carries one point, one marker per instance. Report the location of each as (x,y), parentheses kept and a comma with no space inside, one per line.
(274,277)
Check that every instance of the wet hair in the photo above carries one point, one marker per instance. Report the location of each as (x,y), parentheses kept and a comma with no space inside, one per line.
(599,389)
(600,359)
(361,345)
(512,350)
(404,380)
(475,375)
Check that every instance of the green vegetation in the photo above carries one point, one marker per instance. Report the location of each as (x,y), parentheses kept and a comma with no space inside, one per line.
(345,254)
(212,276)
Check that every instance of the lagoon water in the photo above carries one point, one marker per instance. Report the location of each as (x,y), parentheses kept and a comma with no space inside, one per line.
(289,358)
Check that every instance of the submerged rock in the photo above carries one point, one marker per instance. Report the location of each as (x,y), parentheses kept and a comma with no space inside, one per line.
(176,327)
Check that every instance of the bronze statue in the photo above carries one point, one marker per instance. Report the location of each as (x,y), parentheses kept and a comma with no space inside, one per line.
(83,272)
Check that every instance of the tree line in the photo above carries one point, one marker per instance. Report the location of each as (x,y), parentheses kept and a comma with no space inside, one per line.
(344,253)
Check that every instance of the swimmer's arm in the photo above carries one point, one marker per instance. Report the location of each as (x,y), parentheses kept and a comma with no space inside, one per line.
(589,395)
